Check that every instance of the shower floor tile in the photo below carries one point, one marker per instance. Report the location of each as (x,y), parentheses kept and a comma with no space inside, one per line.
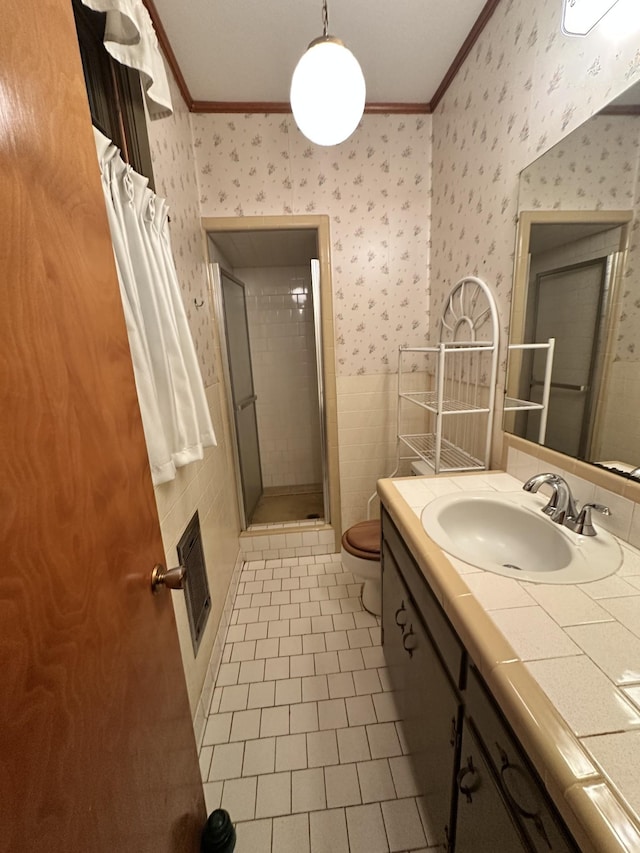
(292,506)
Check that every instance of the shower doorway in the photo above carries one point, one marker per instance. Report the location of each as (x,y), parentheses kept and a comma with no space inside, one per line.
(269,298)
(569,304)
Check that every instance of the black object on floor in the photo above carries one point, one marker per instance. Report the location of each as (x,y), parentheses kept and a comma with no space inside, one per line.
(313,515)
(219,834)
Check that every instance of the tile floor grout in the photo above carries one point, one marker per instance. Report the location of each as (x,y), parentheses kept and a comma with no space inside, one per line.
(303,745)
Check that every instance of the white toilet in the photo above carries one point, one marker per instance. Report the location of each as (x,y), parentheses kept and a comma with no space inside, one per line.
(360,555)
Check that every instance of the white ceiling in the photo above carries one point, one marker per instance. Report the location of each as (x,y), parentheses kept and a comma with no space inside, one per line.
(246,50)
(546,235)
(266,248)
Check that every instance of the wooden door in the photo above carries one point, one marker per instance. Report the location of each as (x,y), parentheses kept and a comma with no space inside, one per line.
(97,751)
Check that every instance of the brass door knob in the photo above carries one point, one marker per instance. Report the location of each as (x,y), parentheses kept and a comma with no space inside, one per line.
(172,578)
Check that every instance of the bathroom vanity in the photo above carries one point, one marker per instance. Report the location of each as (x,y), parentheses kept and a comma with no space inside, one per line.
(499,766)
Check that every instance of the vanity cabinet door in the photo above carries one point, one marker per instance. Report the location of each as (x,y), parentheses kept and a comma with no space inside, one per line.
(429,706)
(484,823)
(432,719)
(395,600)
(521,788)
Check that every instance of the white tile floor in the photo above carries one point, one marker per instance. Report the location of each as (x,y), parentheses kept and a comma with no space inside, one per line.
(303,745)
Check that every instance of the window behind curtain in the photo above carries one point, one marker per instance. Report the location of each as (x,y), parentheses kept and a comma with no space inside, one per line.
(114,92)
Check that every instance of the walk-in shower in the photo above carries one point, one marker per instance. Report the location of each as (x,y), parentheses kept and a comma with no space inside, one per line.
(268,300)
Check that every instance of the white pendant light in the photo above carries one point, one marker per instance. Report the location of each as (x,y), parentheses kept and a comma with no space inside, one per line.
(579,17)
(327,90)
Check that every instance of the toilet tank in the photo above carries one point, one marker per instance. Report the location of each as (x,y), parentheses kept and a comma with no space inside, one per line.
(421,469)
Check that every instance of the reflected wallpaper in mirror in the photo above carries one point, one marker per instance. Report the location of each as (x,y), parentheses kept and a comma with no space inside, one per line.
(576,279)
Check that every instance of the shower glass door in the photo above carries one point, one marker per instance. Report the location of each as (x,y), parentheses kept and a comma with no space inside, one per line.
(569,307)
(317,325)
(243,396)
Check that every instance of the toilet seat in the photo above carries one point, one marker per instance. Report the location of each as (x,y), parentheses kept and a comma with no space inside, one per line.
(362,540)
(360,555)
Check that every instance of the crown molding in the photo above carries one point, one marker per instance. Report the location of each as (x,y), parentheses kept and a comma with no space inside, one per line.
(398,108)
(380,108)
(385,108)
(474,34)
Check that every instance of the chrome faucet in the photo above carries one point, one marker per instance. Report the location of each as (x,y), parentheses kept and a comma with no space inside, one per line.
(561,503)
(562,508)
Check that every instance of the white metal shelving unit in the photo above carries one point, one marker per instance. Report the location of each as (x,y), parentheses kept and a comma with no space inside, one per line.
(514,404)
(456,387)
(457,382)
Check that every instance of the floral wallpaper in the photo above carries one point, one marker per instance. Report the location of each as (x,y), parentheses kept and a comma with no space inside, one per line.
(522,88)
(593,168)
(208,485)
(174,172)
(414,202)
(376,189)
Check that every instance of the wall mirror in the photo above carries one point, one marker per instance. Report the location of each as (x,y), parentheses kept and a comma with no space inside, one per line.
(577,280)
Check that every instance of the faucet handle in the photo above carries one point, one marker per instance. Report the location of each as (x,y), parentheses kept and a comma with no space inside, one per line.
(582,524)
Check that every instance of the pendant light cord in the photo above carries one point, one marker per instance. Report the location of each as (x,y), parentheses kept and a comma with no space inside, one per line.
(325,18)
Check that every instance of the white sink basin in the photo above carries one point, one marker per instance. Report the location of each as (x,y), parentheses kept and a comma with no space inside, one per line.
(506,533)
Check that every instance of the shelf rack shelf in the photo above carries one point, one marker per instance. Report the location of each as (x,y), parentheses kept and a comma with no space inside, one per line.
(513,404)
(452,458)
(429,400)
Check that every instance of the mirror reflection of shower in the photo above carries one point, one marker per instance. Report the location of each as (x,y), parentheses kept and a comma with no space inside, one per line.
(266,278)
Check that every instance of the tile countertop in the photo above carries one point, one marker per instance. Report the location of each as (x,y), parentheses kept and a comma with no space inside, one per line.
(563,661)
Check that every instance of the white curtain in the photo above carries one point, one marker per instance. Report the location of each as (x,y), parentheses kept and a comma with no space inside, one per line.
(131,40)
(175,415)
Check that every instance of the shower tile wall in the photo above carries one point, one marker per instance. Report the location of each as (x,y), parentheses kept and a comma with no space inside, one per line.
(621,432)
(280,317)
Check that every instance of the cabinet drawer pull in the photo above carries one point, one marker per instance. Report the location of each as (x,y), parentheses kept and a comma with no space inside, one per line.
(518,787)
(473,783)
(401,616)
(521,794)
(410,641)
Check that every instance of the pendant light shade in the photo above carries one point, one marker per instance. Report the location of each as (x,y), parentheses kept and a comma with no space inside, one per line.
(327,90)
(579,17)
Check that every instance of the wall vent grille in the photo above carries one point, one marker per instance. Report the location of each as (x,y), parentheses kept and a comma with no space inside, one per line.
(197,596)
